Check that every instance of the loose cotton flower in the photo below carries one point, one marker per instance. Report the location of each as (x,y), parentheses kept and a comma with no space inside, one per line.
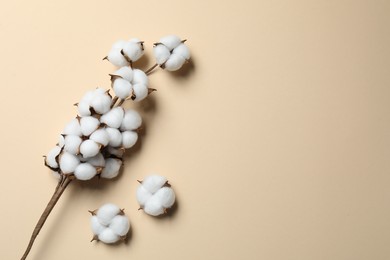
(171,52)
(109,224)
(124,52)
(154,195)
(127,82)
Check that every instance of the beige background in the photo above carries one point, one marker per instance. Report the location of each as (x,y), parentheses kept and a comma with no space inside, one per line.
(276,138)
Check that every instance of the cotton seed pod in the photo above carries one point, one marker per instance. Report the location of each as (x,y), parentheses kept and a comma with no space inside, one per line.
(73,128)
(101,102)
(113,118)
(154,196)
(131,120)
(122,88)
(100,136)
(72,144)
(129,138)
(85,171)
(111,168)
(51,158)
(133,49)
(88,125)
(89,148)
(116,58)
(125,73)
(170,41)
(109,224)
(115,137)
(68,162)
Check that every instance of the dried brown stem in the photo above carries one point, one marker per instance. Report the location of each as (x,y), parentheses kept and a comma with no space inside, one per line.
(62,184)
(147,72)
(114,100)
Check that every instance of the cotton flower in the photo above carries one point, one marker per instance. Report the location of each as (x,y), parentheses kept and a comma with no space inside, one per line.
(85,171)
(124,52)
(131,120)
(89,148)
(98,101)
(171,52)
(72,144)
(51,159)
(100,136)
(113,118)
(154,195)
(115,137)
(73,128)
(129,138)
(130,83)
(109,224)
(68,162)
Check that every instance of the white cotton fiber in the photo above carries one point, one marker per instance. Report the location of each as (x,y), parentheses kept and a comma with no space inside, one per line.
(153,207)
(161,53)
(108,236)
(140,91)
(143,195)
(100,136)
(115,57)
(129,138)
(72,144)
(68,162)
(153,183)
(122,88)
(88,125)
(171,41)
(120,225)
(73,128)
(101,102)
(133,50)
(174,62)
(113,118)
(89,148)
(111,168)
(96,227)
(88,96)
(84,109)
(183,51)
(140,77)
(85,171)
(51,157)
(106,213)
(115,137)
(97,161)
(116,152)
(131,121)
(125,72)
(166,196)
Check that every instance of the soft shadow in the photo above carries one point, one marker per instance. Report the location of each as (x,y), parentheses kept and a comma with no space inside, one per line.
(142,63)
(186,71)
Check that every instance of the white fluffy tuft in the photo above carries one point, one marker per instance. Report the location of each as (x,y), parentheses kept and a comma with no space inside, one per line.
(140,91)
(170,41)
(129,138)
(73,128)
(111,168)
(125,72)
(101,101)
(133,50)
(51,157)
(153,183)
(161,53)
(96,227)
(115,137)
(68,162)
(120,225)
(89,148)
(97,161)
(140,77)
(88,125)
(131,121)
(122,88)
(108,236)
(115,57)
(100,136)
(113,118)
(106,213)
(183,51)
(174,62)
(72,144)
(85,171)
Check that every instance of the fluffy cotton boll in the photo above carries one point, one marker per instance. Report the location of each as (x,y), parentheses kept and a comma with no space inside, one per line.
(143,195)
(133,50)
(88,125)
(111,168)
(161,53)
(129,138)
(174,62)
(107,212)
(89,148)
(85,171)
(125,72)
(131,121)
(88,96)
(100,136)
(116,58)
(171,41)
(153,207)
(108,236)
(122,88)
(153,183)
(101,103)
(115,137)
(96,227)
(97,161)
(84,109)
(166,196)
(51,157)
(61,141)
(73,128)
(72,144)
(120,225)
(140,91)
(140,77)
(68,162)
(113,118)
(183,51)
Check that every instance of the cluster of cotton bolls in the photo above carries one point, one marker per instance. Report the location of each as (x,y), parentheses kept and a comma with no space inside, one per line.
(93,143)
(171,52)
(109,224)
